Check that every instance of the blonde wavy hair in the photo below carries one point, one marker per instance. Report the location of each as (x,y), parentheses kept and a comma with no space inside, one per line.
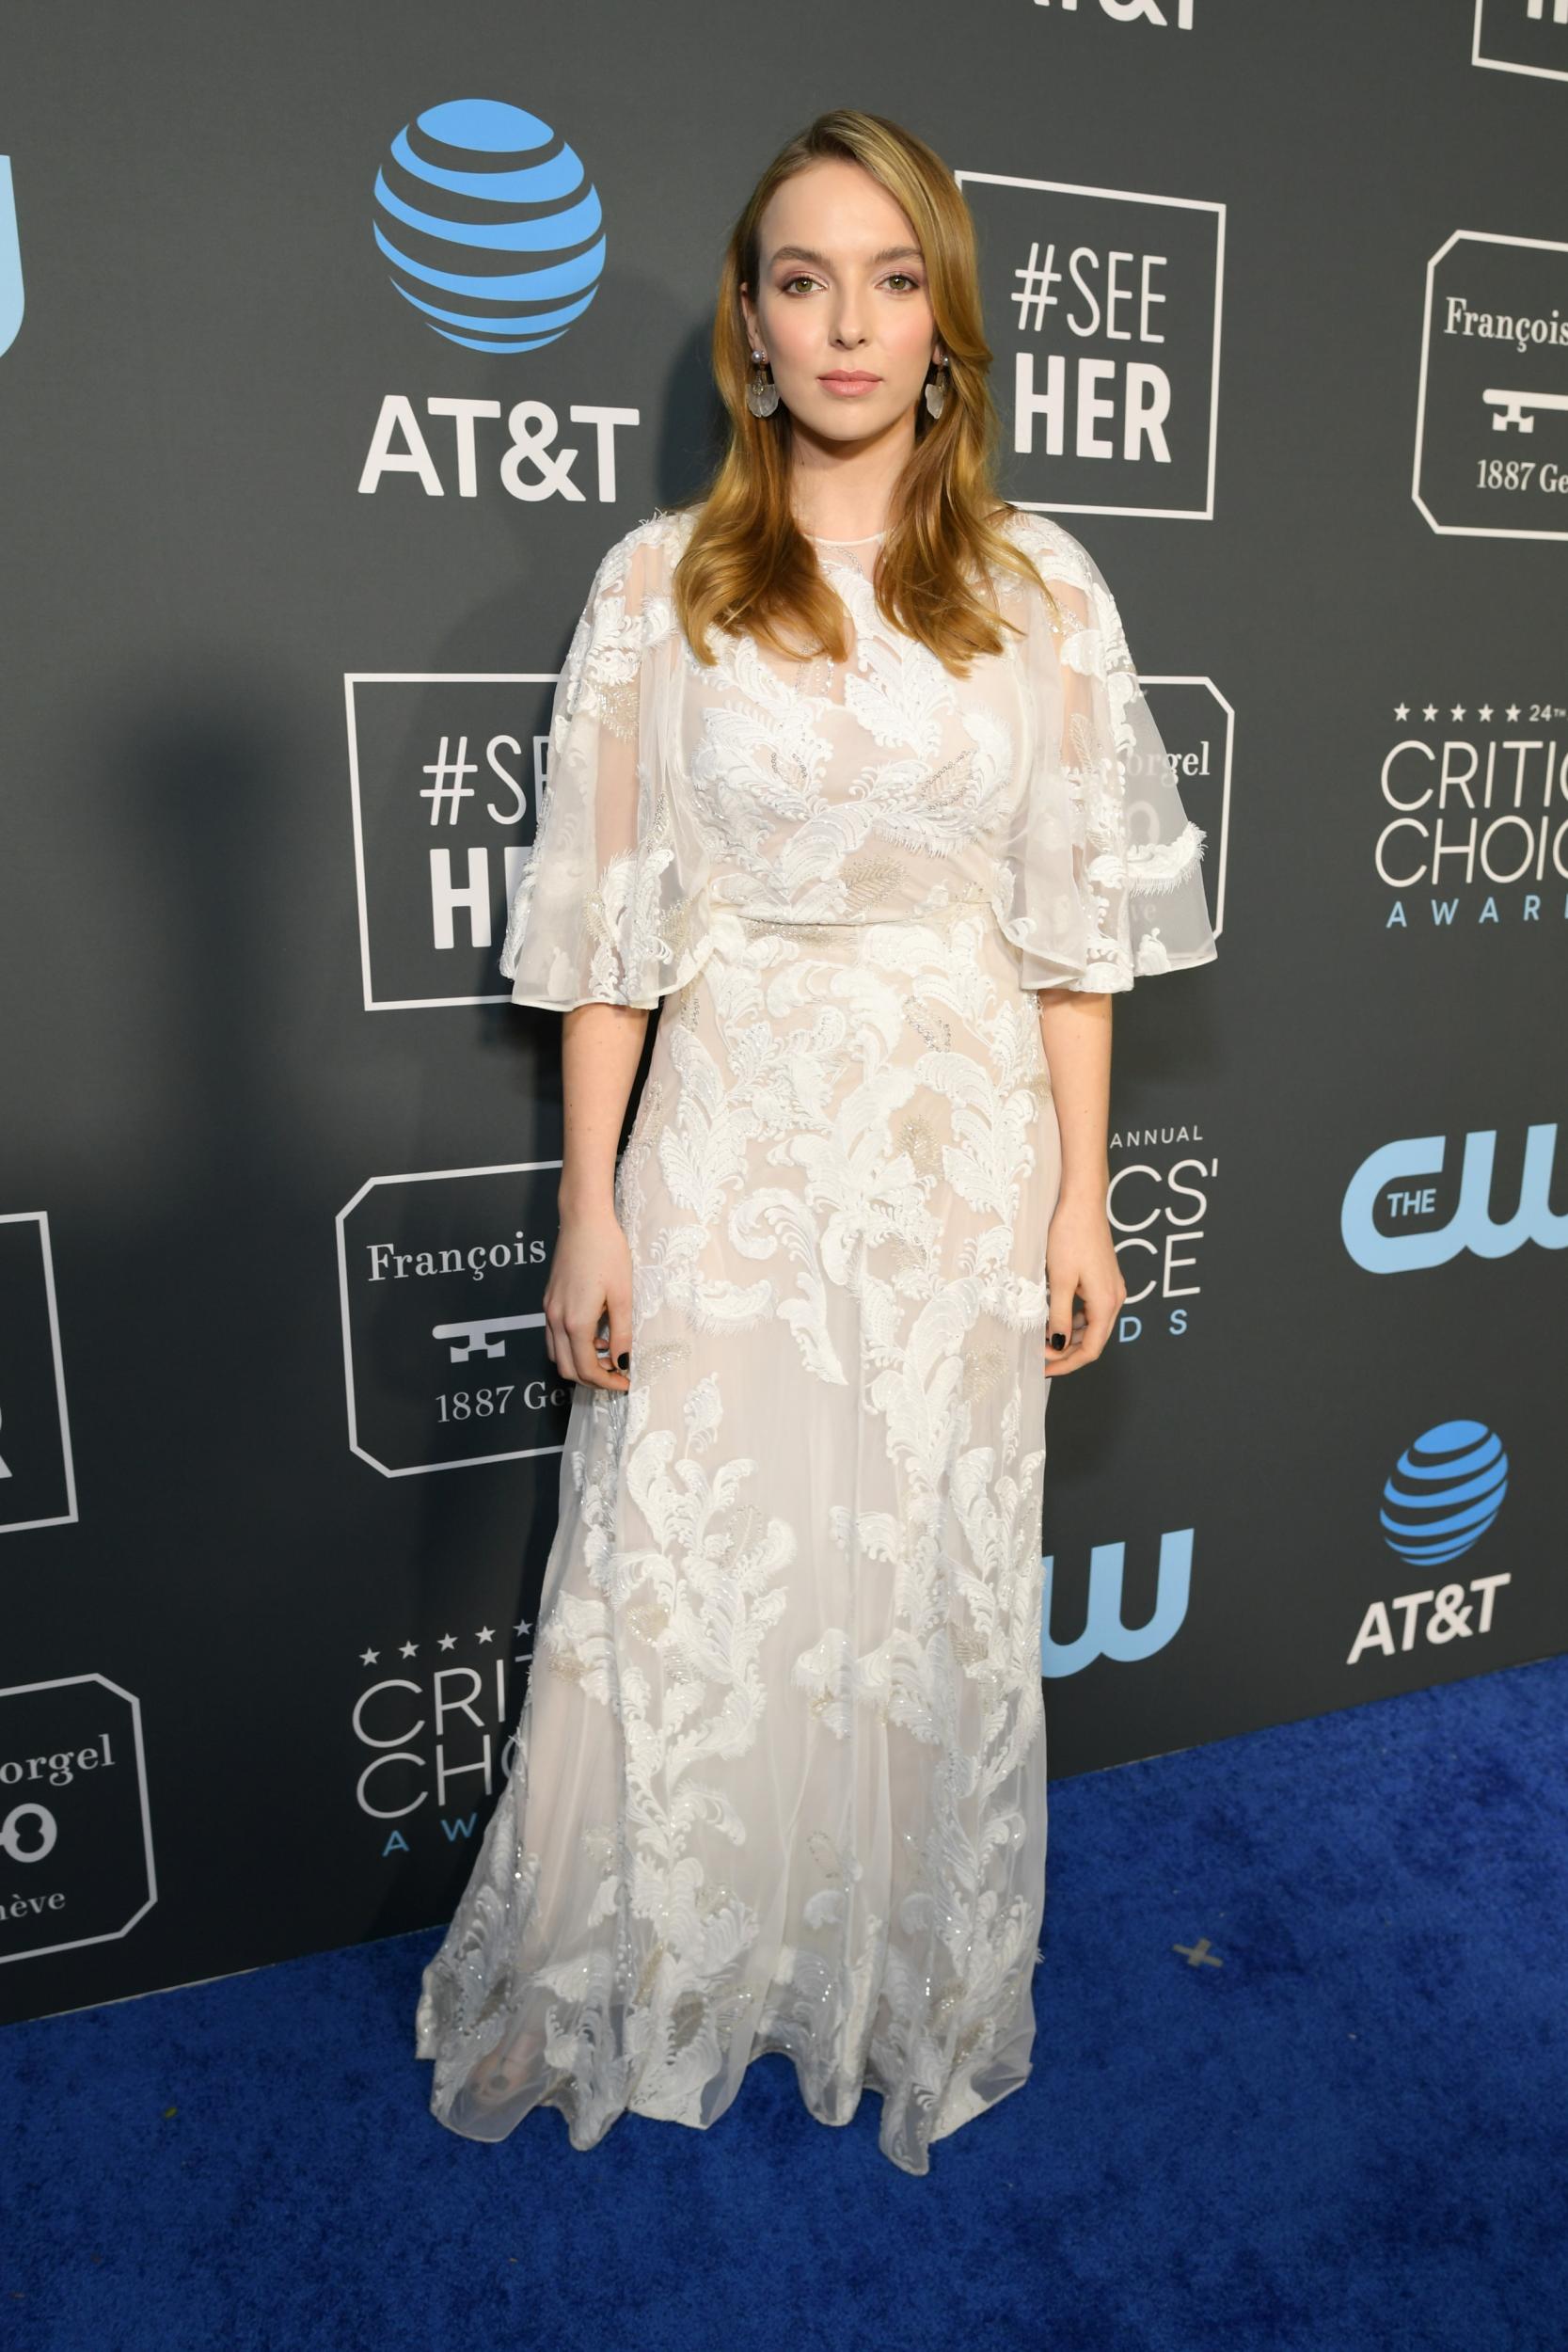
(747,565)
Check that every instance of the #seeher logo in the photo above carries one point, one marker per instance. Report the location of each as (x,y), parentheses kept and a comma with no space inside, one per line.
(491,224)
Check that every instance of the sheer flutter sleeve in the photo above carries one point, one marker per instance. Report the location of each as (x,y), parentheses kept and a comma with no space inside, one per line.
(609,906)
(1101,879)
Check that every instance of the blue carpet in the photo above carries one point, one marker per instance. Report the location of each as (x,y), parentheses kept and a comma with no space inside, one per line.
(1353,2134)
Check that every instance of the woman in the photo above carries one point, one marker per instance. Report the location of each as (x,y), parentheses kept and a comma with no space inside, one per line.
(850,774)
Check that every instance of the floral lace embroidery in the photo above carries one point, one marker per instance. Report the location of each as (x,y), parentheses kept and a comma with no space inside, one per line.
(779,1777)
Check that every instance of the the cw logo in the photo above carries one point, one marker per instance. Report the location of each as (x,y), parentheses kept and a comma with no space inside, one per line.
(1104,1635)
(1393,1176)
(10,261)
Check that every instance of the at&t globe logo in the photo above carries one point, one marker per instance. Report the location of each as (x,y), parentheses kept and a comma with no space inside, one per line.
(1445,1492)
(1443,1495)
(491,224)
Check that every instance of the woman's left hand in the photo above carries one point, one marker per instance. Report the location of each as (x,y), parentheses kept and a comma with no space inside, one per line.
(1084,1276)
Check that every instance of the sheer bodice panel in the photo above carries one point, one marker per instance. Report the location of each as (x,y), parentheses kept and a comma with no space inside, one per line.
(851,791)
(686,794)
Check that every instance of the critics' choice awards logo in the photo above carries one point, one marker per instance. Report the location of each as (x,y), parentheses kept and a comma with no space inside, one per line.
(37,1482)
(437,1723)
(442,771)
(75,1827)
(1162,1179)
(1522,36)
(495,238)
(1473,817)
(1492,402)
(1439,1502)
(442,1281)
(1424,1199)
(1105,309)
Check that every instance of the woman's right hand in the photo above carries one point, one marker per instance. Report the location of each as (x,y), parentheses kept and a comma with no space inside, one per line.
(590,1280)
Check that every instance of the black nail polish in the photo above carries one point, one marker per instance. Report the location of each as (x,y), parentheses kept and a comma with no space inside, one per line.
(622,1360)
(1058,1338)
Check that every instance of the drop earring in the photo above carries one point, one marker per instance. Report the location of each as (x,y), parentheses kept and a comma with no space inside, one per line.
(762,393)
(936,390)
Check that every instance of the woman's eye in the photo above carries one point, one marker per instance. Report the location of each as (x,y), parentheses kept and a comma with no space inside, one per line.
(789,284)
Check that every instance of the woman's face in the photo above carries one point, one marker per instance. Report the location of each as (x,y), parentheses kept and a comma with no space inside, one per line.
(842,292)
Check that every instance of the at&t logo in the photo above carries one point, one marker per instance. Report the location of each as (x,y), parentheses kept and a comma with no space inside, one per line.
(1443,1495)
(496,237)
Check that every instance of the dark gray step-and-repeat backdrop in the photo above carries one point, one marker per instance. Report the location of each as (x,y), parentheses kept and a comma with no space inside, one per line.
(293,543)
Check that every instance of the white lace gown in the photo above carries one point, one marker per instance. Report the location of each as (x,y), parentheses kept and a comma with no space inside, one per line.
(779,1780)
